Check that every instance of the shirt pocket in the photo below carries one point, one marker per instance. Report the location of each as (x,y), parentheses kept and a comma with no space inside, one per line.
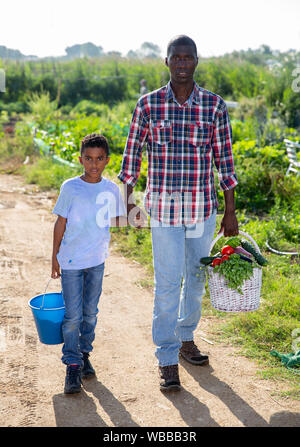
(200,134)
(161,132)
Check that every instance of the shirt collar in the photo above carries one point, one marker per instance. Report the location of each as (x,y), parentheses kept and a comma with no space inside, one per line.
(194,96)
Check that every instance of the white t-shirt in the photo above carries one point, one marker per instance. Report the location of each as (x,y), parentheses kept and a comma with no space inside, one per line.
(88,208)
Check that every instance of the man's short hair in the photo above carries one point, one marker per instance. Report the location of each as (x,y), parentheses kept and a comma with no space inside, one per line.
(94,140)
(181,40)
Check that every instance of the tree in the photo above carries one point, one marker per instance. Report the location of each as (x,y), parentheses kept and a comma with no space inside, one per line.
(149,50)
(7,53)
(265,49)
(132,54)
(114,54)
(84,50)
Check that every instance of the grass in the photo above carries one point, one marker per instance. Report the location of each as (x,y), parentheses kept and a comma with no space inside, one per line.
(135,244)
(13,152)
(47,174)
(254,333)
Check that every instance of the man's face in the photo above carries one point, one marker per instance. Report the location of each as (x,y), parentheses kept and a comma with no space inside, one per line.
(182,62)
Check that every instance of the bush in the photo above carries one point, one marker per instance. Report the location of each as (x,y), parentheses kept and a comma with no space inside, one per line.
(261,176)
(48,174)
(42,108)
(284,231)
(86,107)
(17,146)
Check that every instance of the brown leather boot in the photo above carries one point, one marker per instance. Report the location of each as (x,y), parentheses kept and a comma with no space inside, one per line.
(191,353)
(169,378)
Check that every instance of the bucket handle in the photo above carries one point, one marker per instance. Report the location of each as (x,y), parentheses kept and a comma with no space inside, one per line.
(42,305)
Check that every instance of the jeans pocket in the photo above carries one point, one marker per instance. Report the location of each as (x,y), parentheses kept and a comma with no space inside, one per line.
(195,231)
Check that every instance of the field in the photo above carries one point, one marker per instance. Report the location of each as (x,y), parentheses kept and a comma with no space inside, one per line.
(43,120)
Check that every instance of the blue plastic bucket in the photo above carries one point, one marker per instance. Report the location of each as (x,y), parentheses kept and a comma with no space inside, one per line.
(48,311)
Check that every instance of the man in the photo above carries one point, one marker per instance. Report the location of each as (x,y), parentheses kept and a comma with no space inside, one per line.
(143,89)
(186,129)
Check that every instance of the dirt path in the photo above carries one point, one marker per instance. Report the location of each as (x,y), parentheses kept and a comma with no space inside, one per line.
(125,393)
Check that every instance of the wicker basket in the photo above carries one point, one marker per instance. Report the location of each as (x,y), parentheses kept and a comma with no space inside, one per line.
(228,300)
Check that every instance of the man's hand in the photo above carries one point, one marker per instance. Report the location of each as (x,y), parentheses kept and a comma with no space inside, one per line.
(55,268)
(136,217)
(229,224)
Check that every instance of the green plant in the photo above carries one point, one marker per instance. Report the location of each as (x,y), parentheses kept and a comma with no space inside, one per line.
(4,118)
(41,107)
(48,174)
(284,232)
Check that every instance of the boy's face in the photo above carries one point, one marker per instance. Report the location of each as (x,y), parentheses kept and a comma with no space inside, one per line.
(94,160)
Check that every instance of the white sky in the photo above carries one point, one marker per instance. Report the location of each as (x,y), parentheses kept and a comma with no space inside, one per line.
(46,28)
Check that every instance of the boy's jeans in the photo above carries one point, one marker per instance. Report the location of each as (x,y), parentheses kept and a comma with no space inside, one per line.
(81,291)
(176,253)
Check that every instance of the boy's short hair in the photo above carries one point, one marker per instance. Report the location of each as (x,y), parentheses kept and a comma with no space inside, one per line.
(94,140)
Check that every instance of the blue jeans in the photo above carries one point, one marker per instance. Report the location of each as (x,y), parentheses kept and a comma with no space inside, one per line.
(177,304)
(81,292)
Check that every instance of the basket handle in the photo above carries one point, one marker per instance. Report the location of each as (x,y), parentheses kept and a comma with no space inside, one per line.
(240,232)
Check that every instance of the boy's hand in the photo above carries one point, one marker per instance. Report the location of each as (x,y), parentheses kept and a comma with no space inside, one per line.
(136,217)
(119,221)
(55,269)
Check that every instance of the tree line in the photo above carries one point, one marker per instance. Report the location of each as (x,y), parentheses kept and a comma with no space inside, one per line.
(111,79)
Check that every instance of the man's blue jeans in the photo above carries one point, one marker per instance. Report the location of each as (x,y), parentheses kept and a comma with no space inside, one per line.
(177,304)
(81,291)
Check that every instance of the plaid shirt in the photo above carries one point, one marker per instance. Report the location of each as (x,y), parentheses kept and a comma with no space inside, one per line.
(182,143)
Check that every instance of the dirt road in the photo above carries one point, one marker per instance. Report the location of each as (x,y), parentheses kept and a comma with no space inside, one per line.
(125,393)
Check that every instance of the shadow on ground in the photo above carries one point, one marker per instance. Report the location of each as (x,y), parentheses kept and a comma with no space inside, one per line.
(80,410)
(239,407)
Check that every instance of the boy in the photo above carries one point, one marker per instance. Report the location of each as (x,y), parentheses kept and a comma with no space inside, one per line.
(86,207)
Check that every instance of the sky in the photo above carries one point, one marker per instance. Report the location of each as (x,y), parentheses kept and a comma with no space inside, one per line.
(47,27)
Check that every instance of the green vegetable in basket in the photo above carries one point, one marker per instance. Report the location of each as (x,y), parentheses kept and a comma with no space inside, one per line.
(234,242)
(236,271)
(250,249)
(208,259)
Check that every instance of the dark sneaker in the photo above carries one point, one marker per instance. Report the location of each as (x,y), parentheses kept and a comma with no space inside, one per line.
(87,370)
(169,378)
(191,353)
(73,379)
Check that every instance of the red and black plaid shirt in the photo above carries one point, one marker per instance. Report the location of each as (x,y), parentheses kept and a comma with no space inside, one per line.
(183,142)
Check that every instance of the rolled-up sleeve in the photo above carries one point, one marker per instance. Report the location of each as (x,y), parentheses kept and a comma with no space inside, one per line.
(222,150)
(132,157)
